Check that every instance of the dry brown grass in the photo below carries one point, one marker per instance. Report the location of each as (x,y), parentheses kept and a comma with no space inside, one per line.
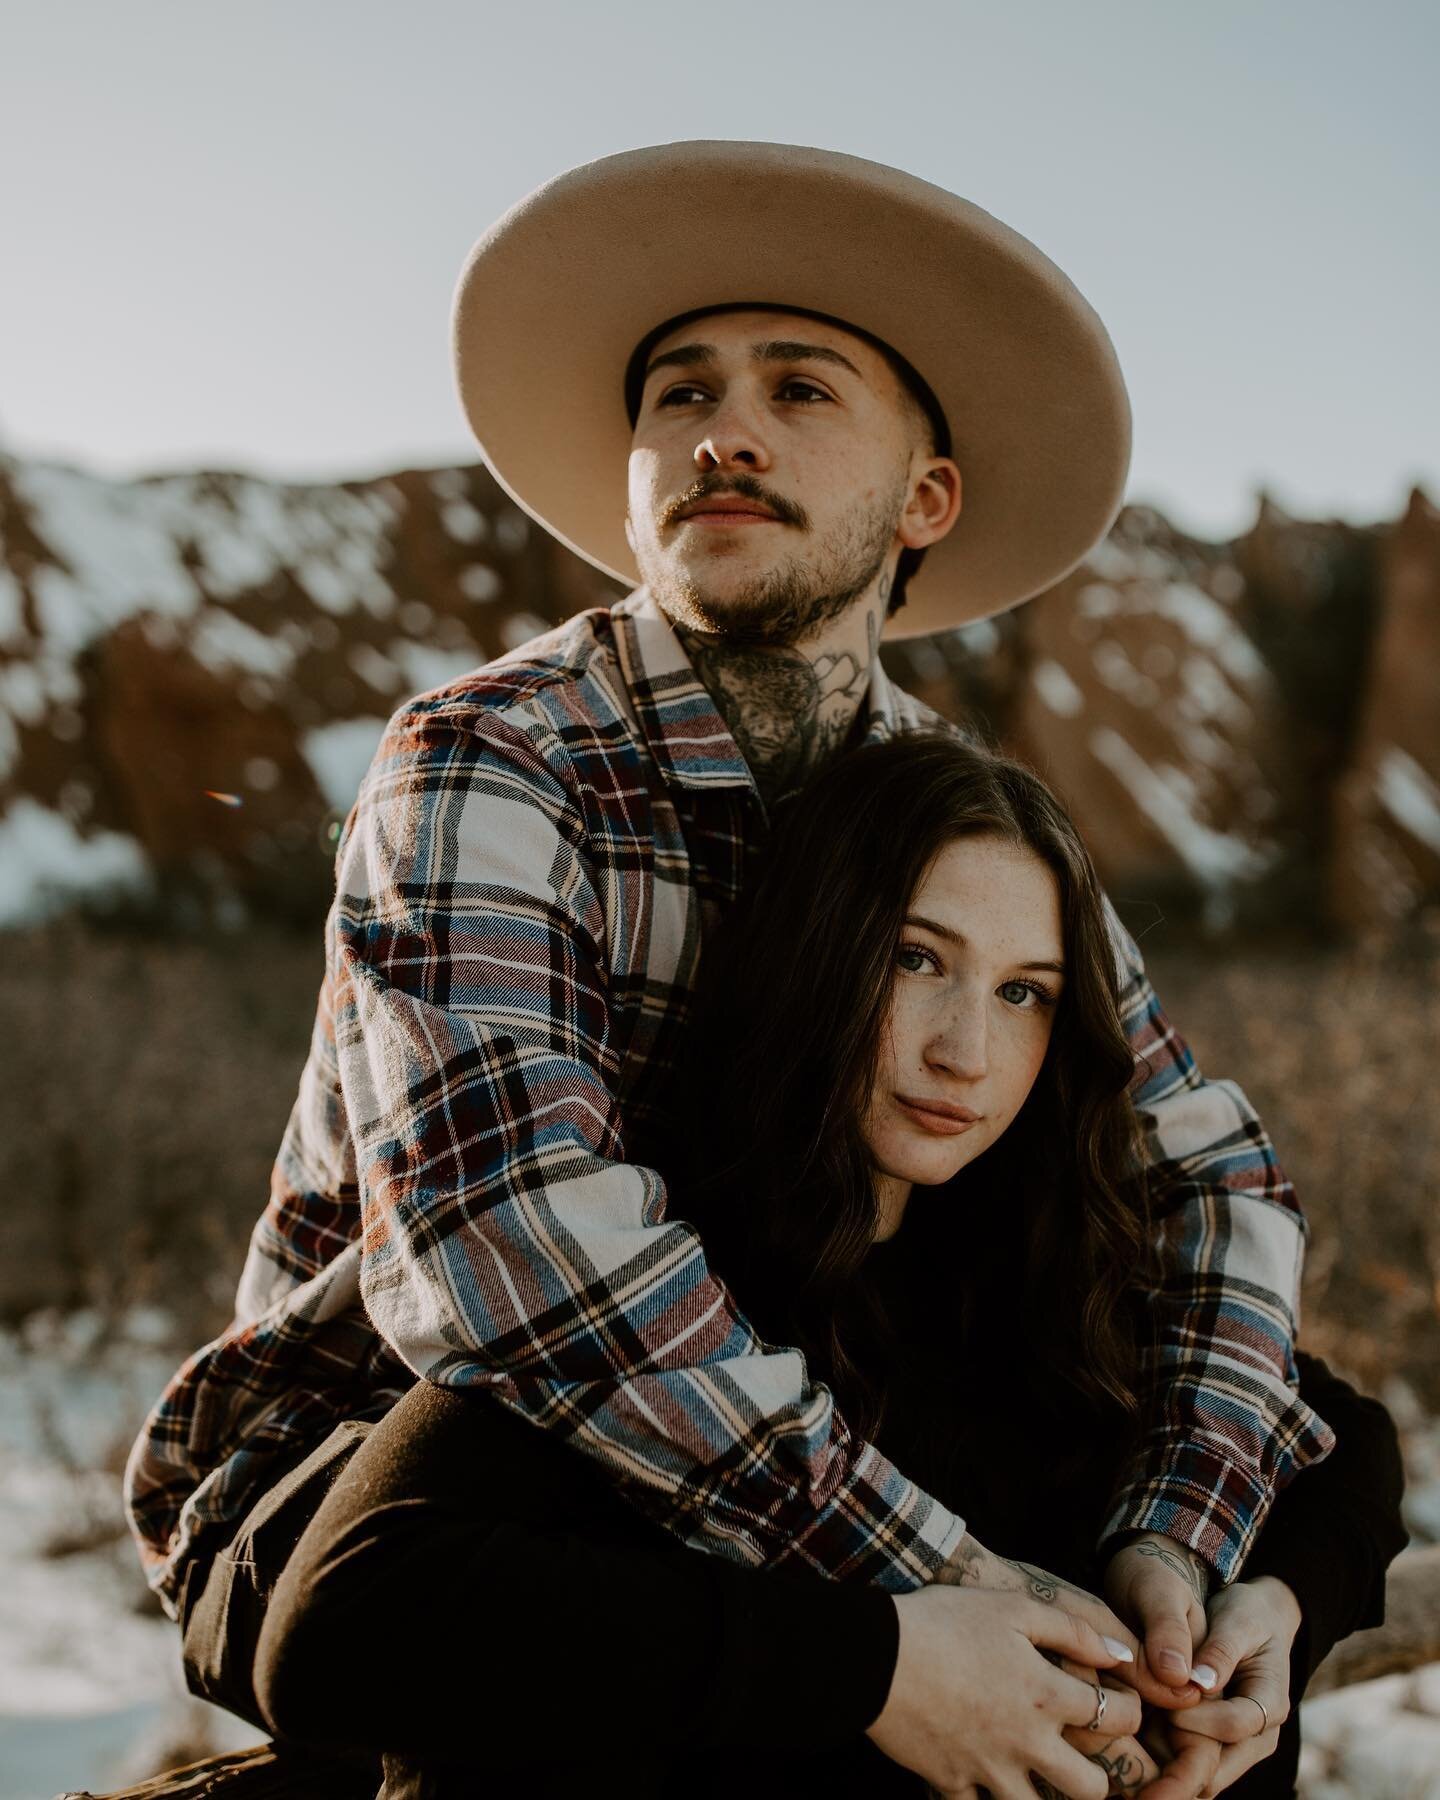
(1338,1052)
(144,1085)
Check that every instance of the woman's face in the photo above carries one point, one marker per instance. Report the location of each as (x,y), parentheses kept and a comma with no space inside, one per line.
(978,974)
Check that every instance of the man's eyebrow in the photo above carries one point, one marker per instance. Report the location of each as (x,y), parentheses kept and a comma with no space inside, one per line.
(687,355)
(776,350)
(956,937)
(790,350)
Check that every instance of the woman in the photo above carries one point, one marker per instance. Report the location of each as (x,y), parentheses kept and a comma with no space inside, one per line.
(905,1057)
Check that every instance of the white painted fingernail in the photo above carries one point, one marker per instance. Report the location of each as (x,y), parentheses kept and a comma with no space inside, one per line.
(1204,1675)
(1121,1652)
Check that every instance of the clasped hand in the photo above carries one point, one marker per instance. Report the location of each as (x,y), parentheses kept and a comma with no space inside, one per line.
(971,1710)
(1215,1673)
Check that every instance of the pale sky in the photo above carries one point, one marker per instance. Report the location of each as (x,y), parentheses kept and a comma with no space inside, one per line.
(230,233)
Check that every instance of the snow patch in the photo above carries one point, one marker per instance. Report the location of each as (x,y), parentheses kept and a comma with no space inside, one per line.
(1056,689)
(449,484)
(22,692)
(90,1688)
(1209,694)
(427,667)
(981,637)
(1113,561)
(1096,600)
(223,642)
(522,628)
(1202,745)
(160,549)
(339,755)
(926,659)
(464,522)
(118,548)
(1211,627)
(374,668)
(479,582)
(1410,797)
(1216,859)
(45,863)
(1120,675)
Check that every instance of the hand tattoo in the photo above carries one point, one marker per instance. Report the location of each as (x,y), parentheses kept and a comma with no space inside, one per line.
(1191,1569)
(972,1565)
(1126,1772)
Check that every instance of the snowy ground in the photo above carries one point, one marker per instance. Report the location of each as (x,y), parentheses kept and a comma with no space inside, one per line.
(91,1694)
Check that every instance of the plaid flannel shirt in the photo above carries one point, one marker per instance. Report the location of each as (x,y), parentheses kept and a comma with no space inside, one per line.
(536,857)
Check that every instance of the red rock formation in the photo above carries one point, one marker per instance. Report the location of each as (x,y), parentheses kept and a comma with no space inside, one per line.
(1386,861)
(169,640)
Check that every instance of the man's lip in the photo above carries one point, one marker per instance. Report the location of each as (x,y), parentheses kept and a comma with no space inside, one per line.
(939,1114)
(729,518)
(729,509)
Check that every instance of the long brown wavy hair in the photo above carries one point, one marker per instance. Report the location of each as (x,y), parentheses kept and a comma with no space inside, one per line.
(1047,1229)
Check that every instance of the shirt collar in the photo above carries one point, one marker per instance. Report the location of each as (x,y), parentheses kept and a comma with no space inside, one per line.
(682,726)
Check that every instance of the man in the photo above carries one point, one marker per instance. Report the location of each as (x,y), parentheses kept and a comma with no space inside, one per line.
(849,404)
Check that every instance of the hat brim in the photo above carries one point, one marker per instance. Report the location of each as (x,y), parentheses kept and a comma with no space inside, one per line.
(557,294)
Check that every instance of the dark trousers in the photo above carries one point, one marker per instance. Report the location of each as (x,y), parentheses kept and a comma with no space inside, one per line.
(458,1603)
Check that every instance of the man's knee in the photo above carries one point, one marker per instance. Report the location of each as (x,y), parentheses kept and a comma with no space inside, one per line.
(295,1663)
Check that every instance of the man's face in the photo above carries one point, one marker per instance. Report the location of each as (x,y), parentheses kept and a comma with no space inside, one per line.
(772,464)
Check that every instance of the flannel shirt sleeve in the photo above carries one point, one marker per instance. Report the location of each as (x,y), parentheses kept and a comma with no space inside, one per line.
(507,1245)
(1226,1429)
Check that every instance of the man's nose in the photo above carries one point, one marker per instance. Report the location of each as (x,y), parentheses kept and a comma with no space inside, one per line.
(733,440)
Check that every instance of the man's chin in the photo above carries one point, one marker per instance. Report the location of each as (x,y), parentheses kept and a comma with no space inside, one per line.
(734,604)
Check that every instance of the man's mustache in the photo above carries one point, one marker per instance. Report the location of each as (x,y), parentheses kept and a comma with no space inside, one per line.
(747,487)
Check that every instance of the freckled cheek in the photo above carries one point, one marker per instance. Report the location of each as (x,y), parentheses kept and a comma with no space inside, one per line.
(1020,1076)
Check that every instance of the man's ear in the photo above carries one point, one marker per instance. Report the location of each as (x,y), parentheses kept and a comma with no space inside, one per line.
(629,532)
(934,505)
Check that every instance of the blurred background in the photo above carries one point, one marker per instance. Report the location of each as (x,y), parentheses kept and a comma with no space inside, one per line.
(241,520)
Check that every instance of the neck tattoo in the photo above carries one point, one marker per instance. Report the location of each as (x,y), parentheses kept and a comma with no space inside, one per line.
(789,711)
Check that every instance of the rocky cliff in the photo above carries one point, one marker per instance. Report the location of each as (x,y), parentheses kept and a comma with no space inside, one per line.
(194,670)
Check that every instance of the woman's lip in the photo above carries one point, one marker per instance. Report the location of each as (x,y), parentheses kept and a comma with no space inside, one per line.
(940,1123)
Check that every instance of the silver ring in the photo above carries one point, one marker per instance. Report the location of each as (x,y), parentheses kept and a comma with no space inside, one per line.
(1102,1700)
(1263,1714)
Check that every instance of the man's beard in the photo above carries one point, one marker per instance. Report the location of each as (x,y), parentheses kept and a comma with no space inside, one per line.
(792,601)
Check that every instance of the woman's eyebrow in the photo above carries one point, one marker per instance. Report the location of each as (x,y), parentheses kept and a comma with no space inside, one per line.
(956,937)
(686,356)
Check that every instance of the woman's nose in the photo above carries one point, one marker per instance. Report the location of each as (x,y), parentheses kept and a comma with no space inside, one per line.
(961,1045)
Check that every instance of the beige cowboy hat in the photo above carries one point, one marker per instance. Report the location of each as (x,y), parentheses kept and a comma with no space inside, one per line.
(558,293)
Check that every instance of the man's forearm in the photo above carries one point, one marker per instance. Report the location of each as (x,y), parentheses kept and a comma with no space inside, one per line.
(507,1242)
(1224,1429)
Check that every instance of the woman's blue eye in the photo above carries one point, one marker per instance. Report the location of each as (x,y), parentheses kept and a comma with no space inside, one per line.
(916,950)
(1022,993)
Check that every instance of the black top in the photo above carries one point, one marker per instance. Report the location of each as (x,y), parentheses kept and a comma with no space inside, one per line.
(590,1625)
(1330,1534)
(780,1673)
